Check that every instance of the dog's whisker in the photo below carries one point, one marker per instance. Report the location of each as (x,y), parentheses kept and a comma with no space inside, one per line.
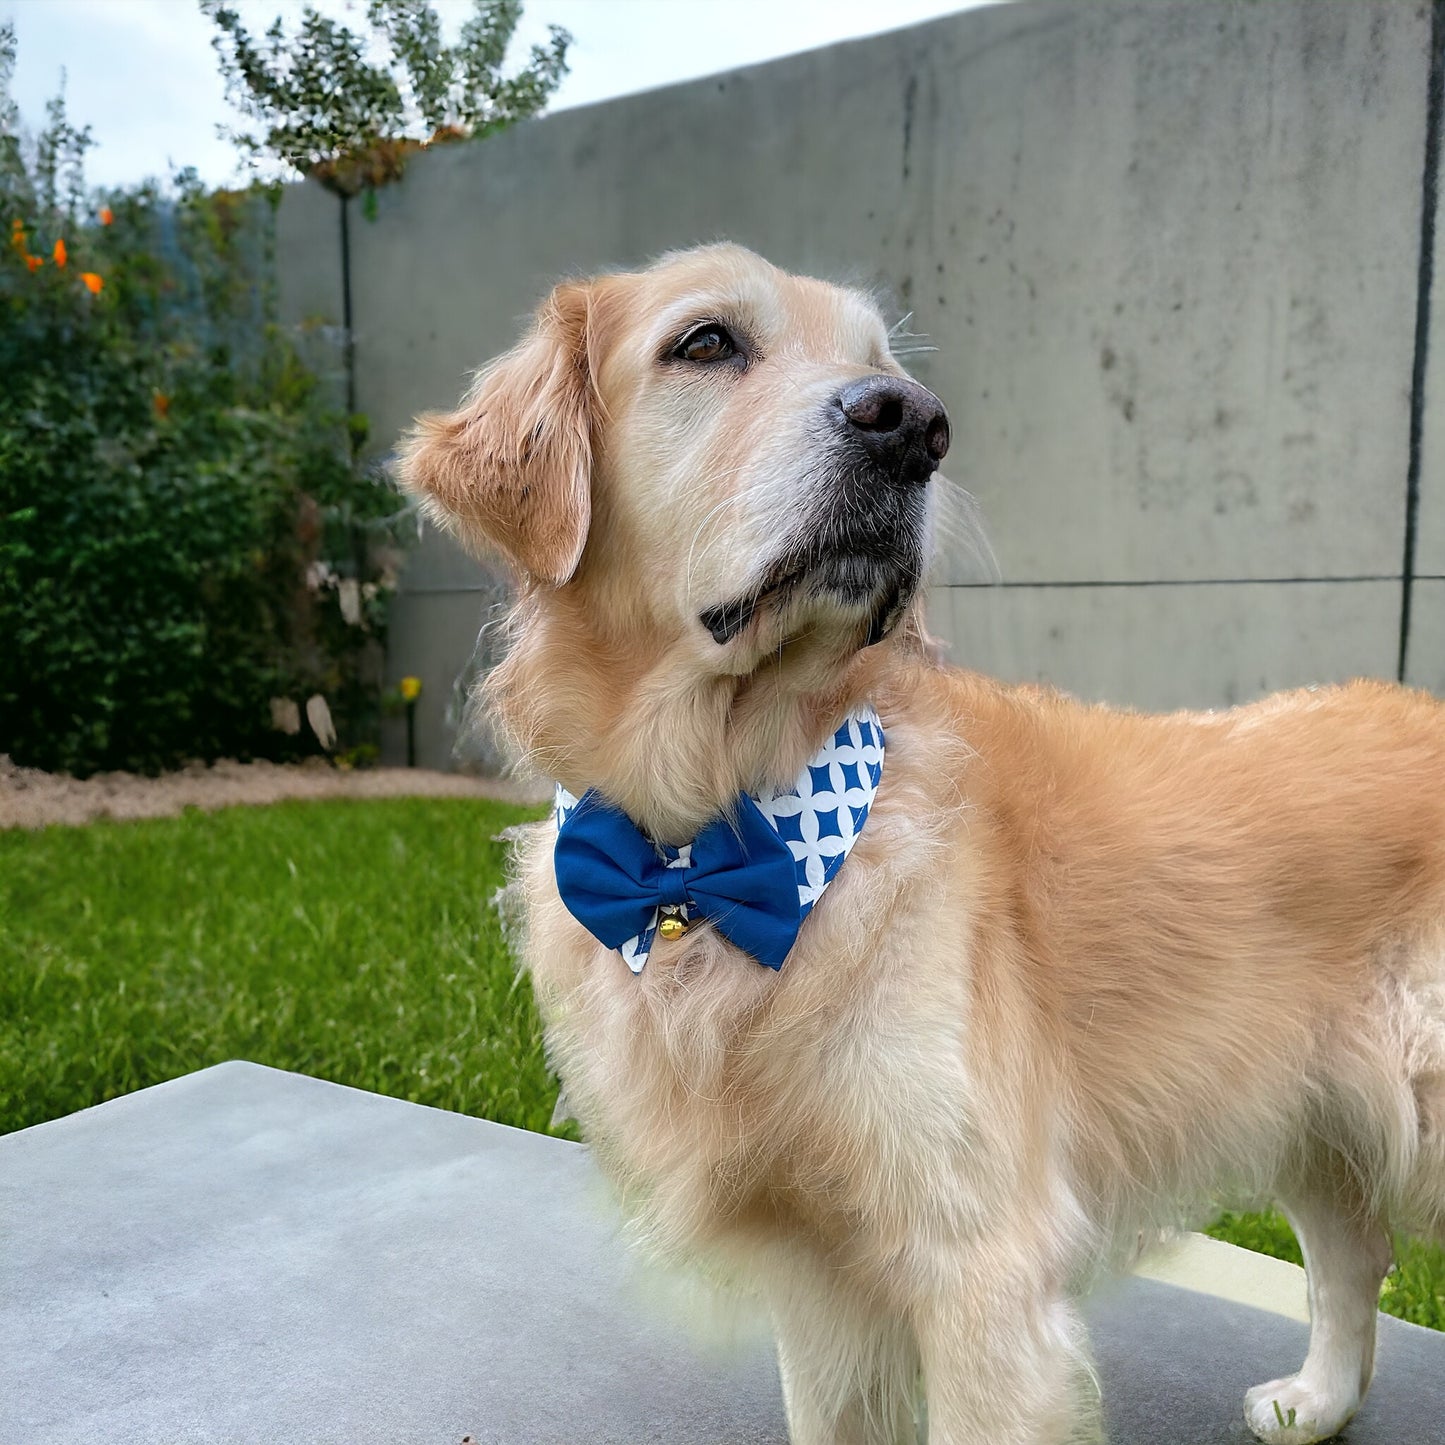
(739,501)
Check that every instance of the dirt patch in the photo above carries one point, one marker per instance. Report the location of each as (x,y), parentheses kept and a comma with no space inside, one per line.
(32,799)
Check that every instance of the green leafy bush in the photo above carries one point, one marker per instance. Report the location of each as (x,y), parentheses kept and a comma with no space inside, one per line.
(184,534)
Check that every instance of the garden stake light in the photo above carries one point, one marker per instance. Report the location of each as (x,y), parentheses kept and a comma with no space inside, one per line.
(410,691)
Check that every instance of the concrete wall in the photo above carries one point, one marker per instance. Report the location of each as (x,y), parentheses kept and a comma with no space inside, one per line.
(1169,256)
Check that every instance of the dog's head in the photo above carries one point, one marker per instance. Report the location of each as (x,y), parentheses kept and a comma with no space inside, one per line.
(713,462)
(738,441)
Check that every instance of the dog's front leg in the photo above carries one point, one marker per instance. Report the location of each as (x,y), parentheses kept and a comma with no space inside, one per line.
(1002,1360)
(850,1377)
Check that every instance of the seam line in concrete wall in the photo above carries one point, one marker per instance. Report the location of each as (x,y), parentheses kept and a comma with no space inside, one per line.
(1429,198)
(464,588)
(1174,582)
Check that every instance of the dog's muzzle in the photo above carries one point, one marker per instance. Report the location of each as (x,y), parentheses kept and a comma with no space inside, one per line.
(884,436)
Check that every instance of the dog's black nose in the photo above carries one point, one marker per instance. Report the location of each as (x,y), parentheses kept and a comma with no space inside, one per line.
(902,425)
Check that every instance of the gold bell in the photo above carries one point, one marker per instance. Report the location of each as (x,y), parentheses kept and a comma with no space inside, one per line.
(672,927)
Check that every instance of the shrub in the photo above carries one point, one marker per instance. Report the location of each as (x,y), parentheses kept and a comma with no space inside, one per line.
(184,534)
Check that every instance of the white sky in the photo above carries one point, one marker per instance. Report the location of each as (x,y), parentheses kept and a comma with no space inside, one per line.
(143,75)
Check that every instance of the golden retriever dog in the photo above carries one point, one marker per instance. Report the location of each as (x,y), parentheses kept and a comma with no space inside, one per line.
(1085,971)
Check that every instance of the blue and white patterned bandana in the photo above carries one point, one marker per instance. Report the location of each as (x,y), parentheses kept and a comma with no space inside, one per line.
(819,818)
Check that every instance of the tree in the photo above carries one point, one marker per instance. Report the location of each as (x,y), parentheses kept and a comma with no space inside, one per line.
(323,107)
(57,185)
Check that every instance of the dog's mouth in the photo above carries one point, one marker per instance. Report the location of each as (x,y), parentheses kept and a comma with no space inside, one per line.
(879,584)
(728,619)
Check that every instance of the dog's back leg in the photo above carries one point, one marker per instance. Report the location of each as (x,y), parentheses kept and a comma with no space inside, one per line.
(1347,1252)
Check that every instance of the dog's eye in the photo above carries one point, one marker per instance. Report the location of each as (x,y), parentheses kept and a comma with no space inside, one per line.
(707,343)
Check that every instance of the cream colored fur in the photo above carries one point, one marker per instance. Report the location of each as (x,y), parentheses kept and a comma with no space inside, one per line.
(1085,972)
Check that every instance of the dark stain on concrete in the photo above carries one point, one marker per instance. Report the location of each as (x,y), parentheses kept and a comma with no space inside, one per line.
(910,104)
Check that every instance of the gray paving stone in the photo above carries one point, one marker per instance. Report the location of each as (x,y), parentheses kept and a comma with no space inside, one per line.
(245,1255)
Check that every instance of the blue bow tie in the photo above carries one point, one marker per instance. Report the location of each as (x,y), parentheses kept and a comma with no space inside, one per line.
(755,873)
(740,877)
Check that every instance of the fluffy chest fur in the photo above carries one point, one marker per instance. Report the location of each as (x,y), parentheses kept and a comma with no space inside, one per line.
(851,1099)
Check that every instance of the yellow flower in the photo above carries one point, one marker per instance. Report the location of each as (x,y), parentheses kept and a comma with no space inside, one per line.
(60,253)
(411,688)
(93,283)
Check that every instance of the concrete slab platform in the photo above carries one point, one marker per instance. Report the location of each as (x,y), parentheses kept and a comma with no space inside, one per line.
(245,1255)
(1210,1266)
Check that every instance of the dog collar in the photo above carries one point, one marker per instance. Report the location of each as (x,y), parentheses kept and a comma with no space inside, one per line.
(754,873)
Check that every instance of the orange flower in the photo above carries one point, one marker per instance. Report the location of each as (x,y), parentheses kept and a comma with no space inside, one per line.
(60,253)
(106,215)
(160,404)
(17,235)
(93,282)
(35,262)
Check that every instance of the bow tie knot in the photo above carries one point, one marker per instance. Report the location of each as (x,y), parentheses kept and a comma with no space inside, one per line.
(672,889)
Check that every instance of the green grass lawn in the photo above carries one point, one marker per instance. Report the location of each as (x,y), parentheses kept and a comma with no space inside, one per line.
(351,941)
(355,941)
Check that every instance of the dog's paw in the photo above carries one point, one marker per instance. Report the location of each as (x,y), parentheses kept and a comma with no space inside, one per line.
(1289,1412)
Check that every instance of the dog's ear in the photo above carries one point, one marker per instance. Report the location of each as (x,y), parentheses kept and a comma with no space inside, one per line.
(511,469)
